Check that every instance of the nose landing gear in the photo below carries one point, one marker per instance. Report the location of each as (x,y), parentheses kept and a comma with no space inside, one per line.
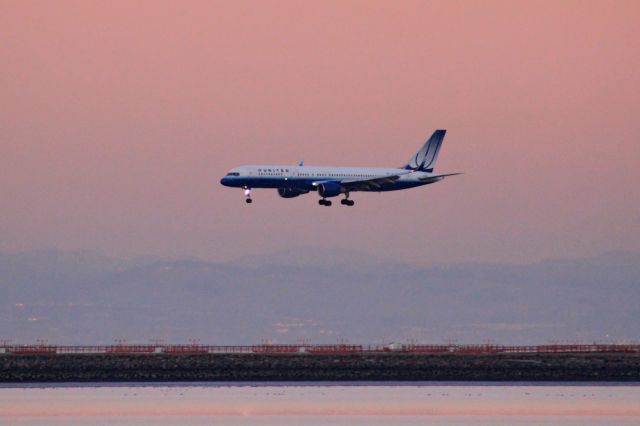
(247,195)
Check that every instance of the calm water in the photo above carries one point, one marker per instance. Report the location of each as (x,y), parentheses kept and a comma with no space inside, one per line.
(320,404)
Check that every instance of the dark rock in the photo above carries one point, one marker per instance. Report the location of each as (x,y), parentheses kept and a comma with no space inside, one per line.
(320,367)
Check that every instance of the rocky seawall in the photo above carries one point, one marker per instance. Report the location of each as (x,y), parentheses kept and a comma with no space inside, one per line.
(319,367)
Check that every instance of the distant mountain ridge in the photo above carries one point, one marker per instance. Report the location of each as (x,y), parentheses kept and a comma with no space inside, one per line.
(317,295)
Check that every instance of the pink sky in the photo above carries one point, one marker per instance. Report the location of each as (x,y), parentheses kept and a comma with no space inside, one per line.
(117,120)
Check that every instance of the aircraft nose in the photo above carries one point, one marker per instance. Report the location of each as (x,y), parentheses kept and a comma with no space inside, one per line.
(224,181)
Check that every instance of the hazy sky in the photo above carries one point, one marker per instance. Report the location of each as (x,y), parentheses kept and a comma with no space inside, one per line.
(117,120)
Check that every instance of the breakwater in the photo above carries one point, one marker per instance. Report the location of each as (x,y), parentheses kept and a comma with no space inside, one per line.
(386,366)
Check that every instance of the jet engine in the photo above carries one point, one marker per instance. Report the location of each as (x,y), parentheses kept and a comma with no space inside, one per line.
(290,192)
(329,189)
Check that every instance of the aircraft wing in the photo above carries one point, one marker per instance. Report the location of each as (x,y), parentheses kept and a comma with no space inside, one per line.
(372,183)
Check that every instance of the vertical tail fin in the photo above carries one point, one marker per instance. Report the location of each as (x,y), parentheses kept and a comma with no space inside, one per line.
(425,159)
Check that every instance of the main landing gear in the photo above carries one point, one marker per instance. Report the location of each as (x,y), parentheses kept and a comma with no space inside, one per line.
(347,201)
(247,195)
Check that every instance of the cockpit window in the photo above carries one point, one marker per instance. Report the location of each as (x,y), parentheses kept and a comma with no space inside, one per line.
(233,174)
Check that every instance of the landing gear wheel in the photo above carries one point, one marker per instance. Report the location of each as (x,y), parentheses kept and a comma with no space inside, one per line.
(347,202)
(247,195)
(324,202)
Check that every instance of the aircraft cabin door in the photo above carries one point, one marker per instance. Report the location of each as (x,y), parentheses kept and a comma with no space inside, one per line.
(287,173)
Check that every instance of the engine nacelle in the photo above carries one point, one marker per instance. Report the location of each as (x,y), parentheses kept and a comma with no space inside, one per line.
(290,192)
(329,189)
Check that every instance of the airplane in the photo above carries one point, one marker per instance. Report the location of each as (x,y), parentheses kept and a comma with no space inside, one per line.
(292,181)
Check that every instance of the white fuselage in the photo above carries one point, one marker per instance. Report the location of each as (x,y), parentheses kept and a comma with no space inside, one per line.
(305,177)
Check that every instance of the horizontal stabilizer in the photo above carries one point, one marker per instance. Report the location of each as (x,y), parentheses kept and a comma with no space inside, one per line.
(435,178)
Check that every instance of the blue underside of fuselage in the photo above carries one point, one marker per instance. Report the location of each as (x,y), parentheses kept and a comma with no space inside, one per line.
(306,184)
